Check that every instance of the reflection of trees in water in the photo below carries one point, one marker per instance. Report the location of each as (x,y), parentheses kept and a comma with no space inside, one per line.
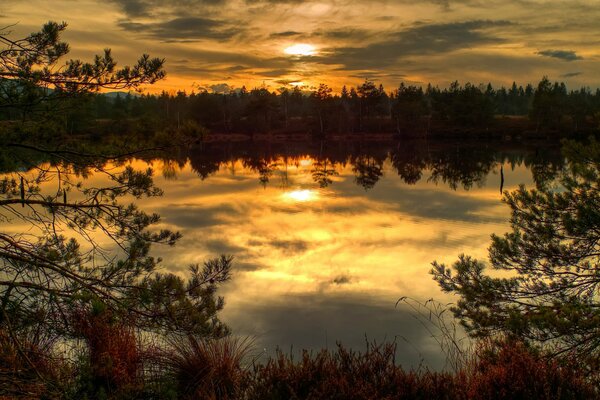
(205,163)
(462,166)
(265,168)
(367,171)
(545,166)
(322,172)
(455,165)
(409,161)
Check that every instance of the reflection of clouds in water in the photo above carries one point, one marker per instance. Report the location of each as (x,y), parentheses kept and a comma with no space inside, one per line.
(303,267)
(193,216)
(314,321)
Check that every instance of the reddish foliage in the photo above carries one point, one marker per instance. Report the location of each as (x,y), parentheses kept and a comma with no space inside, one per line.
(510,370)
(113,352)
(507,370)
(347,375)
(28,367)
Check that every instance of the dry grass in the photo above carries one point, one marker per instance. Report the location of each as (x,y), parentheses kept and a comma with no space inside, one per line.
(208,369)
(112,352)
(29,365)
(191,368)
(504,370)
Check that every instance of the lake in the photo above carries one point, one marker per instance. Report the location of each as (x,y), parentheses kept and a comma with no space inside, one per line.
(328,236)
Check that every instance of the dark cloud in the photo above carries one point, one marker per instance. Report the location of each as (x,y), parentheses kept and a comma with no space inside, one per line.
(571,74)
(145,8)
(318,321)
(341,279)
(276,72)
(344,33)
(375,75)
(237,68)
(221,245)
(285,82)
(221,88)
(285,34)
(566,55)
(290,247)
(442,239)
(191,217)
(421,39)
(183,29)
(223,62)
(418,202)
(246,266)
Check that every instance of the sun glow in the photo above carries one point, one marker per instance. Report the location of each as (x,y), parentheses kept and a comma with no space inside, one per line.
(300,49)
(301,195)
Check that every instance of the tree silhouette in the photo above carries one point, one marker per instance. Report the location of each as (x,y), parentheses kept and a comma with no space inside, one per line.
(30,71)
(550,296)
(321,99)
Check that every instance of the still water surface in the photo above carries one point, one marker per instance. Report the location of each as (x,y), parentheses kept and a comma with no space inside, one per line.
(318,262)
(327,237)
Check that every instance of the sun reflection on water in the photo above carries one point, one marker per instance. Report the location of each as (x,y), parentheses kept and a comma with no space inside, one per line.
(301,195)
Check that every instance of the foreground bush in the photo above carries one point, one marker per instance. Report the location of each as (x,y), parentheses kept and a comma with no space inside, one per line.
(507,370)
(29,366)
(116,367)
(111,363)
(207,369)
(510,370)
(346,374)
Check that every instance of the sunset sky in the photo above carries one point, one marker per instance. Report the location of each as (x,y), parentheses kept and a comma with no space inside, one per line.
(224,44)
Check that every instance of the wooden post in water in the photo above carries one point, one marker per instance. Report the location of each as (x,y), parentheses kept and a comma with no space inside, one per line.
(22,193)
(501,178)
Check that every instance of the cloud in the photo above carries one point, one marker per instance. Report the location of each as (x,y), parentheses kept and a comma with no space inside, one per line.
(341,279)
(191,217)
(571,74)
(320,320)
(221,88)
(221,245)
(183,29)
(420,39)
(290,247)
(344,33)
(566,55)
(274,73)
(145,8)
(284,34)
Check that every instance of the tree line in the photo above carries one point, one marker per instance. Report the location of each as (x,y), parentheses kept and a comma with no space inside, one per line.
(407,110)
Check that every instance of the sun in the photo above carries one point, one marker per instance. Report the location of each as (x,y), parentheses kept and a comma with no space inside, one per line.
(300,49)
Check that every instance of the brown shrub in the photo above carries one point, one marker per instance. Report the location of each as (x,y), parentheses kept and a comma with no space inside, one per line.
(345,374)
(207,369)
(502,370)
(29,367)
(510,370)
(112,349)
